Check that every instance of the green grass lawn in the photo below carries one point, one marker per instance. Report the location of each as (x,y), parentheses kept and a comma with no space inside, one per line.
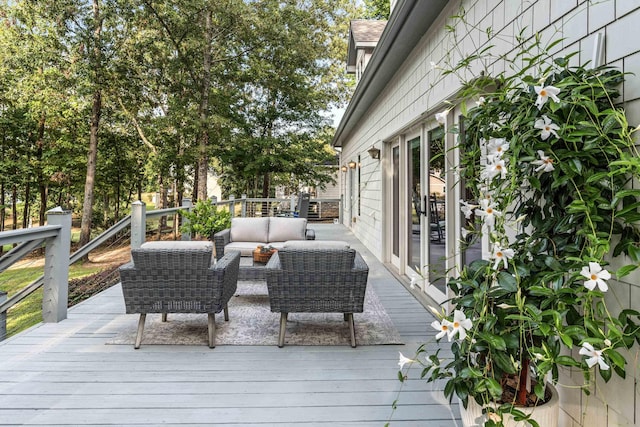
(29,311)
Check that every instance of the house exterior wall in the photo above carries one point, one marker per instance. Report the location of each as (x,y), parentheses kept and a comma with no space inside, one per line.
(417,92)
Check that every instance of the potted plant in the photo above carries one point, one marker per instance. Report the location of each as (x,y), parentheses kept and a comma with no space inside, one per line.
(548,163)
(205,219)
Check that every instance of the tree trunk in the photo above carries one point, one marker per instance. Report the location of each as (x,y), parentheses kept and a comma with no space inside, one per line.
(2,211)
(117,208)
(2,197)
(89,184)
(161,203)
(14,206)
(106,210)
(96,109)
(42,185)
(27,205)
(203,113)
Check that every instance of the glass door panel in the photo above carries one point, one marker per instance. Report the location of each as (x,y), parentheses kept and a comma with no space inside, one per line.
(395,213)
(436,212)
(414,218)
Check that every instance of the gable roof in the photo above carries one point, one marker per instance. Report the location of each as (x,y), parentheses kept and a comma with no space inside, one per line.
(363,33)
(407,24)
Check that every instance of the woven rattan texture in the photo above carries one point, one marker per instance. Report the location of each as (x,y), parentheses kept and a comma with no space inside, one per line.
(220,240)
(178,281)
(317,280)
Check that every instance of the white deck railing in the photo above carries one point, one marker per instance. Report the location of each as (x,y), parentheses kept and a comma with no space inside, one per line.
(56,239)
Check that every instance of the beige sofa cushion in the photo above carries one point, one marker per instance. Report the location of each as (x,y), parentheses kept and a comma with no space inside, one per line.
(283,229)
(245,248)
(249,229)
(315,244)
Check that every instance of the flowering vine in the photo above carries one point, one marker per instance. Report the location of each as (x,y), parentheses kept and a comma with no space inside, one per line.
(547,159)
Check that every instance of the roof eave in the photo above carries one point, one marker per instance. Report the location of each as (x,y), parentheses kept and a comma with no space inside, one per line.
(407,24)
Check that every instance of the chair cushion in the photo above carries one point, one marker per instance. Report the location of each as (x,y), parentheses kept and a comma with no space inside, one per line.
(250,229)
(245,248)
(315,244)
(283,229)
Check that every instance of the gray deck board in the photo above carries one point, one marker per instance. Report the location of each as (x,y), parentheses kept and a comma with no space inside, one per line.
(65,374)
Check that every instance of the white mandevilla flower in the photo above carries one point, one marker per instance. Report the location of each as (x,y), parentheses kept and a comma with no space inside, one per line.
(441,117)
(496,148)
(404,360)
(466,208)
(493,169)
(444,327)
(488,212)
(460,325)
(501,255)
(496,418)
(596,275)
(593,356)
(481,101)
(485,192)
(436,312)
(464,233)
(545,163)
(545,93)
(547,127)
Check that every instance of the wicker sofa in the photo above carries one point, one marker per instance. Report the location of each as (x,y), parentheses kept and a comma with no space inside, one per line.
(246,234)
(320,277)
(178,277)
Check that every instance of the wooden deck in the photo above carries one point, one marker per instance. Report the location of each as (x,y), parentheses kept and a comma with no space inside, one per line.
(64,374)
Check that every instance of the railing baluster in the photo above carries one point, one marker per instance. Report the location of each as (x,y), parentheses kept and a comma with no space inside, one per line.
(57,234)
(56,268)
(138,223)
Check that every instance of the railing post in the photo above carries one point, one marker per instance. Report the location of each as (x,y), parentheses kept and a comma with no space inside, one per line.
(3,317)
(340,207)
(243,206)
(138,223)
(232,205)
(214,200)
(186,205)
(56,268)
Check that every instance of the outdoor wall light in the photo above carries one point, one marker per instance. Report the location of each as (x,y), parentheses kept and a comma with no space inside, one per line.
(374,152)
(352,164)
(343,168)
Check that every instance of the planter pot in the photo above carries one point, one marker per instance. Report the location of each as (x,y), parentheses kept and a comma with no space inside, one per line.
(546,414)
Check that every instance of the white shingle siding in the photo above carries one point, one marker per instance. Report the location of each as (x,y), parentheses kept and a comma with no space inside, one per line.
(410,96)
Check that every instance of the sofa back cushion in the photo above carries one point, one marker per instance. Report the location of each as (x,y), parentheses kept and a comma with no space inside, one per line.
(283,229)
(315,244)
(249,229)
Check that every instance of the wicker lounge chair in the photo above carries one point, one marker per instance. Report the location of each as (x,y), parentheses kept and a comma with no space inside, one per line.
(303,277)
(178,277)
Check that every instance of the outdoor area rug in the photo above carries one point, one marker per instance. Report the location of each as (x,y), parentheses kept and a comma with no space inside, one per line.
(251,322)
